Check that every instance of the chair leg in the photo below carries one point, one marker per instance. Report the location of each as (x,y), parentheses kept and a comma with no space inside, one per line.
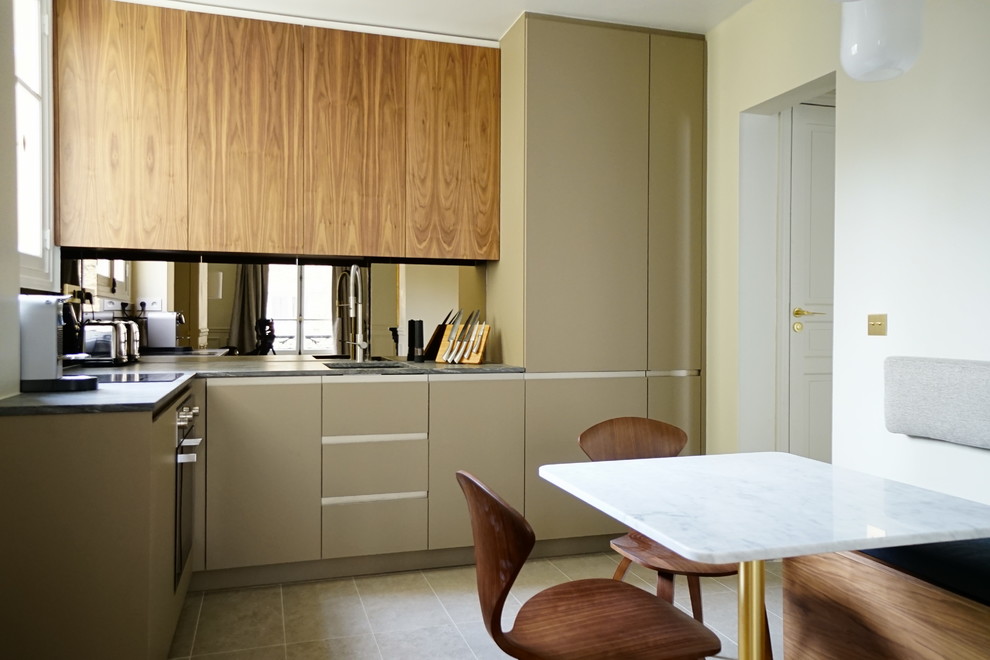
(621,569)
(694,587)
(665,586)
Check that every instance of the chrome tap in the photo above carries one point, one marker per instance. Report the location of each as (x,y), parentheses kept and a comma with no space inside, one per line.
(355,310)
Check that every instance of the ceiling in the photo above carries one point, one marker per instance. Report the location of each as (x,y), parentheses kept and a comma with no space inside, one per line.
(485,20)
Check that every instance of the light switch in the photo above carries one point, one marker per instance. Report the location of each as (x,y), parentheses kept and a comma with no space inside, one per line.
(876,324)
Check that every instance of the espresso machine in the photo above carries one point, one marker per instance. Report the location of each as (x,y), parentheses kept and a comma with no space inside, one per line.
(41,347)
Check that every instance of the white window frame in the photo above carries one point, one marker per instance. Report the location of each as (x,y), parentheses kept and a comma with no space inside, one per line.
(301,316)
(41,273)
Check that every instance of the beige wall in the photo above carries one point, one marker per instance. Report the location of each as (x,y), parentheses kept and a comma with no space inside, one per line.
(9,274)
(765,50)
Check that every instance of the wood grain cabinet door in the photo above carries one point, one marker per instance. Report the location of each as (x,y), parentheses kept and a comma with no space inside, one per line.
(452,126)
(355,156)
(245,135)
(120,117)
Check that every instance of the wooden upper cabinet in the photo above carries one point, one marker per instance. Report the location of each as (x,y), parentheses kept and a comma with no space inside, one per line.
(245,135)
(120,153)
(355,156)
(452,132)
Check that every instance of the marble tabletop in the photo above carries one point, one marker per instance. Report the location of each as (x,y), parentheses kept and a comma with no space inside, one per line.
(744,507)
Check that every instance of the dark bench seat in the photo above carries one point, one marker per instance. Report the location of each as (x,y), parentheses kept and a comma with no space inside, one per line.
(962,567)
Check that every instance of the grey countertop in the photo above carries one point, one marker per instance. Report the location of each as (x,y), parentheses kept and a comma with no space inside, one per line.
(146,396)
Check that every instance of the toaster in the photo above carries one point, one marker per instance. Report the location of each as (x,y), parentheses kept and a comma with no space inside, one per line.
(133,340)
(105,340)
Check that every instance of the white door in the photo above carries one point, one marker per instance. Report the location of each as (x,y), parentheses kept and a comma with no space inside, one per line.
(809,309)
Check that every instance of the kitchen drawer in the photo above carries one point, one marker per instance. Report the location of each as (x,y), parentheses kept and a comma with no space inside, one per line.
(352,529)
(368,468)
(375,405)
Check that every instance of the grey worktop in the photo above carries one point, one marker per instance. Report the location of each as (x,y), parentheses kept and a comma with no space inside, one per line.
(147,396)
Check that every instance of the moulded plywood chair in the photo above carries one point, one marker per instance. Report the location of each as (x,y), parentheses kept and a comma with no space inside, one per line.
(639,437)
(595,618)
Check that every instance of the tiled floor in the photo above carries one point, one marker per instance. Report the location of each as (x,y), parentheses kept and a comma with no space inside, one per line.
(406,616)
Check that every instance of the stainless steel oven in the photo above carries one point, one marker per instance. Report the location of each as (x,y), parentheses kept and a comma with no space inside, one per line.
(187,444)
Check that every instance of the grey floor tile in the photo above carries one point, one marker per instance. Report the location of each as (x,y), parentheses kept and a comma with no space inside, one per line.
(535,576)
(400,602)
(185,630)
(239,619)
(263,653)
(361,647)
(582,567)
(439,643)
(481,642)
(323,610)
(457,589)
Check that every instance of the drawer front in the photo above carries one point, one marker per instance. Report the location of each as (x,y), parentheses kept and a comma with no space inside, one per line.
(372,528)
(375,408)
(368,468)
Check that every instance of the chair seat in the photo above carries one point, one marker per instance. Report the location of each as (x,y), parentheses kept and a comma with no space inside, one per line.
(601,618)
(651,554)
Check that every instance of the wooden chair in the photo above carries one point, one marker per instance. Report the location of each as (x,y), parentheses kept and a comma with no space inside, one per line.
(595,618)
(638,437)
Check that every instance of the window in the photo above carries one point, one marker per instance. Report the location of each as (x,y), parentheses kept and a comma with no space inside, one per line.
(32,85)
(300,303)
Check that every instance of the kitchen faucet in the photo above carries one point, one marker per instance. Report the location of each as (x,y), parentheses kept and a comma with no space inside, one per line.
(355,310)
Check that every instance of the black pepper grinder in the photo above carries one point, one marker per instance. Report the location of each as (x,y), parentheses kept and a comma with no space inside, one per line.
(418,343)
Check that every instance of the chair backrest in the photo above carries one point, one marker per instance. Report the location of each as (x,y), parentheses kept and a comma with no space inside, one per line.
(502,543)
(631,437)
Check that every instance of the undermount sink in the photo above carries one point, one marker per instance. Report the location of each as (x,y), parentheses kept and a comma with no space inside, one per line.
(375,364)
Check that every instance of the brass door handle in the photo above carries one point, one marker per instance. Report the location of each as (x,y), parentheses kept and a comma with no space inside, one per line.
(803,312)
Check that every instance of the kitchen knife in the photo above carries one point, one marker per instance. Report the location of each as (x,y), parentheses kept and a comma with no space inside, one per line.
(450,338)
(476,346)
(466,338)
(472,338)
(462,337)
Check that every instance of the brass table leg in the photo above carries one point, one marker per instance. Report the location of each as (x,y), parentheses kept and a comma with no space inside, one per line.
(751,588)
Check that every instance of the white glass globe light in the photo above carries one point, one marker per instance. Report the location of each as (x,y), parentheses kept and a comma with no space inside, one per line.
(881,39)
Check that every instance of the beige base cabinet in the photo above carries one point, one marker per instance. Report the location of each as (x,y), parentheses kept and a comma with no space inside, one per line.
(476,424)
(263,482)
(677,400)
(375,460)
(88,535)
(558,409)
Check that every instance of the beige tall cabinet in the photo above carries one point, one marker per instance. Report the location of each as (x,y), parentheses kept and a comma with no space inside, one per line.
(264,471)
(602,198)
(578,212)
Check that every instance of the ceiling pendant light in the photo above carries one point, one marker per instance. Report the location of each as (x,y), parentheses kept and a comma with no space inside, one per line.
(881,39)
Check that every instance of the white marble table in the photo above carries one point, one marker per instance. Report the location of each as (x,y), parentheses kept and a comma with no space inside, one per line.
(751,507)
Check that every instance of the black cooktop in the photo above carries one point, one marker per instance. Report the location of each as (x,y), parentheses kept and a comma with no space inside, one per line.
(164,377)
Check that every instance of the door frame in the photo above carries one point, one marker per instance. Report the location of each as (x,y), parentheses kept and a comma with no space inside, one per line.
(762,287)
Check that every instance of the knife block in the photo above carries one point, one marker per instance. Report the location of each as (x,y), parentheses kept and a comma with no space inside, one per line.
(472,358)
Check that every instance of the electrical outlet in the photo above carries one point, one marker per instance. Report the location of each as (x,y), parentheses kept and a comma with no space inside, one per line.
(111,305)
(149,304)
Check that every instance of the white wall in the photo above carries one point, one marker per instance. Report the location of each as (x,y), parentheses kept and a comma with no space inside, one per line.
(912,219)
(10,369)
(912,238)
